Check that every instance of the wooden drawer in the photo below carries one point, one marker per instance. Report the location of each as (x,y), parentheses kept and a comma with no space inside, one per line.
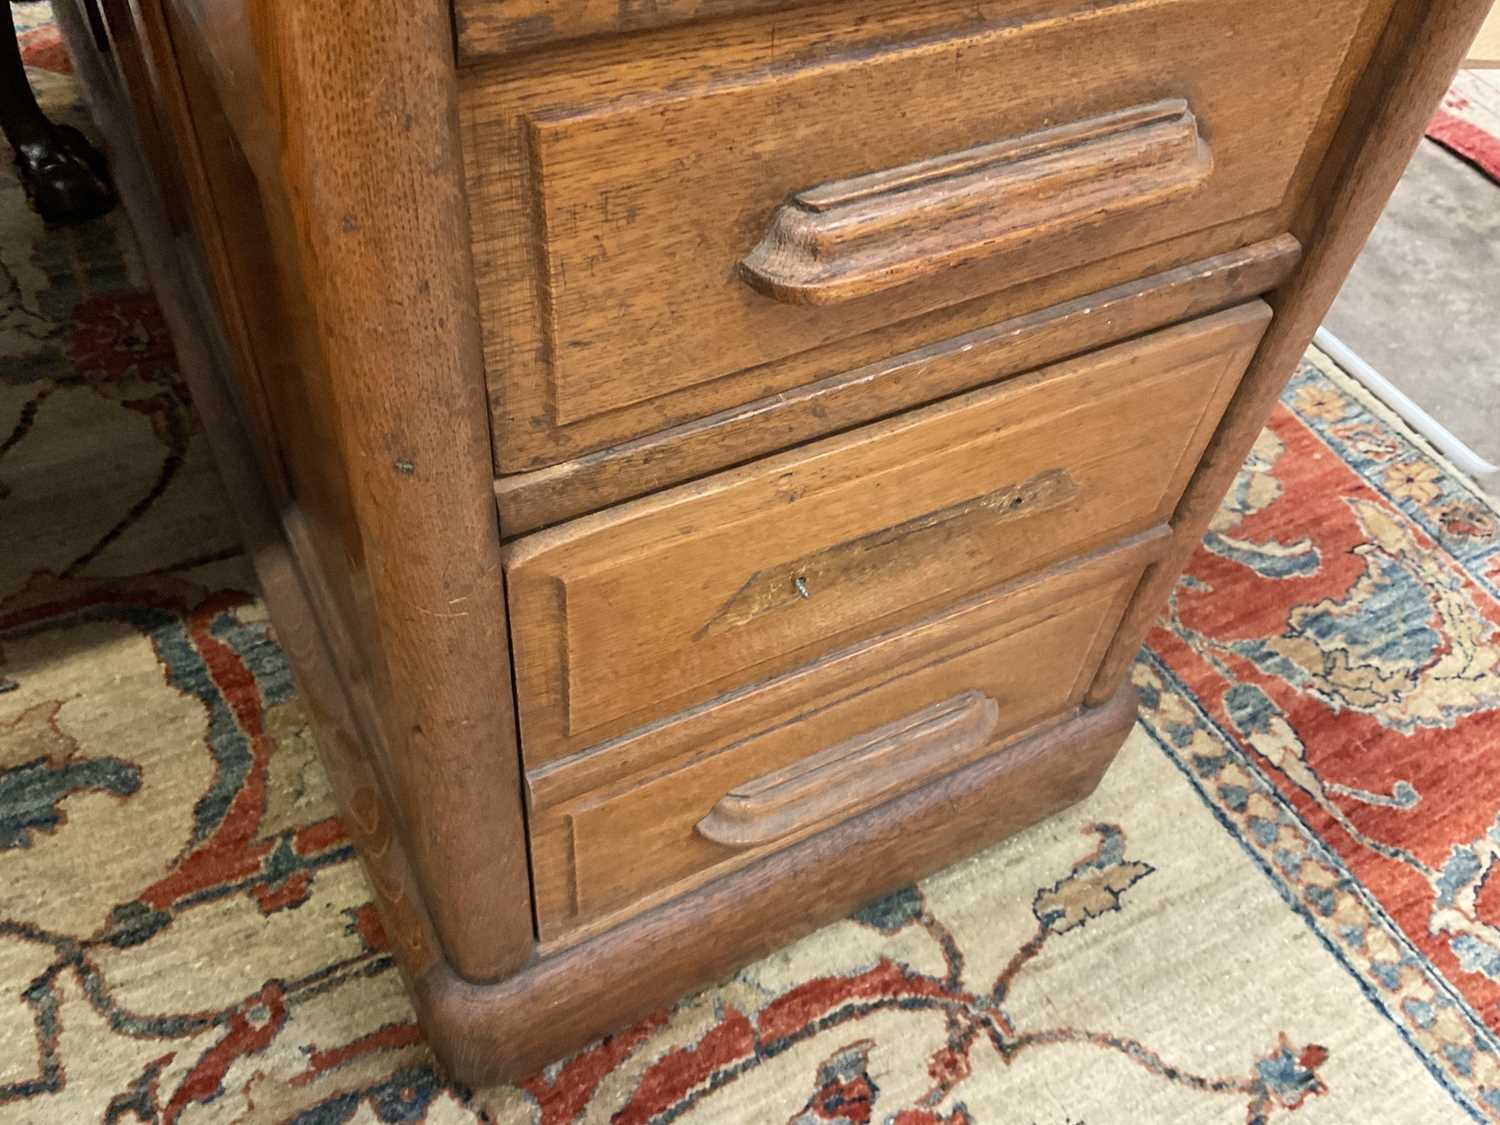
(674,224)
(644,610)
(639,820)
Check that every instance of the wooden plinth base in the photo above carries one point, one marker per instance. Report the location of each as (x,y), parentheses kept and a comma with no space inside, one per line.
(485,1033)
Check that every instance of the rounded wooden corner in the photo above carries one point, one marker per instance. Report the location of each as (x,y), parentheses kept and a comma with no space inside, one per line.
(458,1022)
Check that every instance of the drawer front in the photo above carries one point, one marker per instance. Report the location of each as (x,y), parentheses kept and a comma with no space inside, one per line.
(660,604)
(679,803)
(670,226)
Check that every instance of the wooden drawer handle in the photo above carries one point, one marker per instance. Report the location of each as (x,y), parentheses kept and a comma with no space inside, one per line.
(854,237)
(855,774)
(880,555)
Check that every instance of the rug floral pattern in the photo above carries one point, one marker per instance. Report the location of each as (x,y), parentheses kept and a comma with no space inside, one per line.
(1277,907)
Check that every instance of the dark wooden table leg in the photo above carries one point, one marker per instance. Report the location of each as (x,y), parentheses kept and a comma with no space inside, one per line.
(65,177)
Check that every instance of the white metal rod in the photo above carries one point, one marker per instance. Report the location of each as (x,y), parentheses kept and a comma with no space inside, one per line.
(1413,415)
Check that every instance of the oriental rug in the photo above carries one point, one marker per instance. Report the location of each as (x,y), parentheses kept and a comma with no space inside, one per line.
(1468,122)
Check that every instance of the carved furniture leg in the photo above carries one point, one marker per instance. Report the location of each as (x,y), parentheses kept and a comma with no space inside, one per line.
(65,177)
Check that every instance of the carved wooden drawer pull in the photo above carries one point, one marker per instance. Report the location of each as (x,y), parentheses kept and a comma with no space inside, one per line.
(852,775)
(854,237)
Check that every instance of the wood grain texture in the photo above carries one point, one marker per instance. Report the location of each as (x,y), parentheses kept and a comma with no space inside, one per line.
(488,28)
(233,42)
(126,30)
(273,349)
(857,237)
(378,209)
(343,745)
(346,255)
(194,217)
(221,278)
(311,571)
(1417,57)
(528,501)
(223,273)
(486,1033)
(621,828)
(880,555)
(660,604)
(614,198)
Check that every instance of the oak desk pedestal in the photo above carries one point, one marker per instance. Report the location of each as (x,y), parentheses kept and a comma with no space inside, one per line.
(712,464)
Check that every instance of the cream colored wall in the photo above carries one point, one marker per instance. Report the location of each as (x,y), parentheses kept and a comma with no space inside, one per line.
(1486,49)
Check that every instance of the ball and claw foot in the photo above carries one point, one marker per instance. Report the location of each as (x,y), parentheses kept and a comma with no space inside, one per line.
(65,177)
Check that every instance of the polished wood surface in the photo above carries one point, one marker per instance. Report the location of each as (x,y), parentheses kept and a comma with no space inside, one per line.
(646,817)
(662,603)
(807,599)
(613,199)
